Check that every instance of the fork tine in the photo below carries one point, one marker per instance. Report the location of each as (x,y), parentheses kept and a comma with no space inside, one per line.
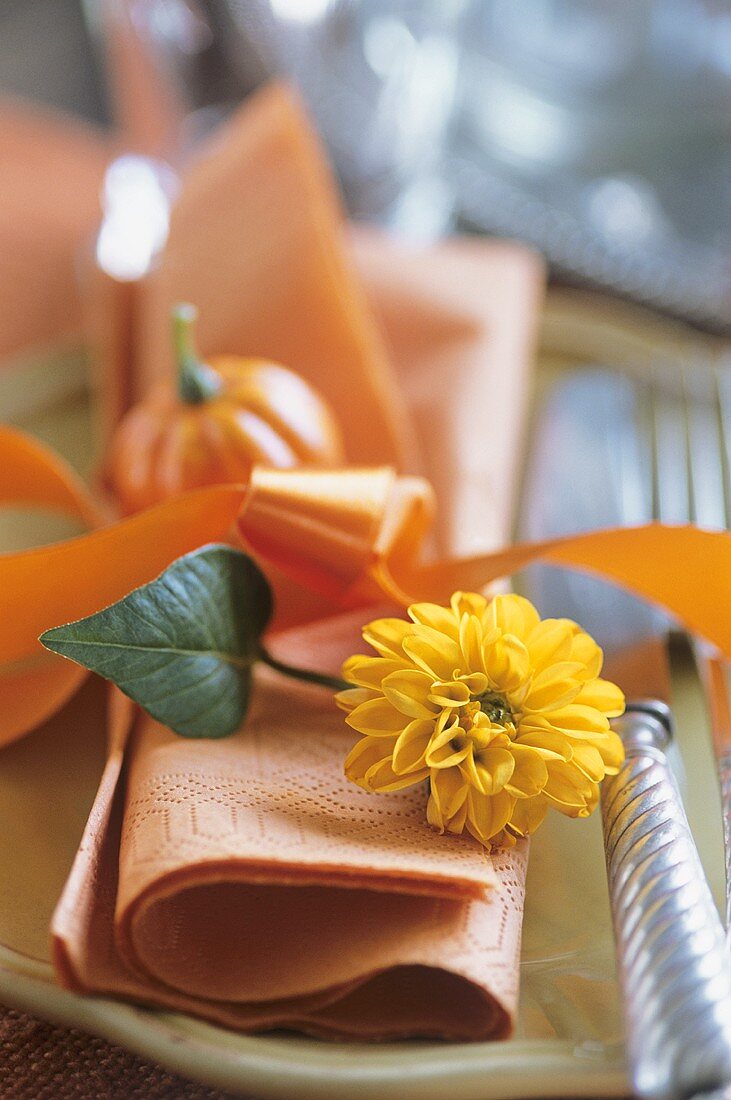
(672,494)
(706,448)
(690,434)
(722,403)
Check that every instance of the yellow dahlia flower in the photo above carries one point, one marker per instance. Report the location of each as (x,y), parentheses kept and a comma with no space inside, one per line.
(503,713)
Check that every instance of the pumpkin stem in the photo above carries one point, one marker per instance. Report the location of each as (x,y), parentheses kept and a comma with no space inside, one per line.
(197,383)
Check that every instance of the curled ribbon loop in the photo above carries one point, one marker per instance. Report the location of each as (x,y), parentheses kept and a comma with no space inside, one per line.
(332,530)
(357,535)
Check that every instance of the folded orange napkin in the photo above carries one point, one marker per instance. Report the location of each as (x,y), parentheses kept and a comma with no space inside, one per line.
(246,880)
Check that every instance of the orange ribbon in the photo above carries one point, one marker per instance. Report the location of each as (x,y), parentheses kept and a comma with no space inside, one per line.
(360,533)
(35,683)
(352,536)
(71,579)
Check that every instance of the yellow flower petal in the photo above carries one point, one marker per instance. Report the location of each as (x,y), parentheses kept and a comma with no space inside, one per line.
(554,687)
(387,635)
(585,650)
(604,696)
(364,754)
(511,614)
(530,773)
(449,693)
(408,691)
(352,697)
(611,749)
(575,720)
(409,750)
(470,641)
(476,682)
(436,616)
(589,761)
(446,751)
(436,654)
(447,718)
(377,718)
(506,840)
(488,814)
(469,769)
(506,662)
(381,777)
(456,823)
(368,672)
(434,814)
(528,815)
(468,603)
(493,767)
(592,802)
(478,775)
(550,641)
(449,789)
(453,824)
(567,786)
(583,810)
(546,742)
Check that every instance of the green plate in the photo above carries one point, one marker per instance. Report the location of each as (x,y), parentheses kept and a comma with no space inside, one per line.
(568,1041)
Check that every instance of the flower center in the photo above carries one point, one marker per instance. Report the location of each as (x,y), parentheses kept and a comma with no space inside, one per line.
(496,708)
(481,718)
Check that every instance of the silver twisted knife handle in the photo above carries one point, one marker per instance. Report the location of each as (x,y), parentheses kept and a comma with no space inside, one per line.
(724,778)
(674,968)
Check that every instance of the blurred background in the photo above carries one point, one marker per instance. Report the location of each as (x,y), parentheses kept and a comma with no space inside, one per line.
(596,130)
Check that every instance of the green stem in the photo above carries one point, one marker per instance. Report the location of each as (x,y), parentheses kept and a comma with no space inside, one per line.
(197,383)
(311,677)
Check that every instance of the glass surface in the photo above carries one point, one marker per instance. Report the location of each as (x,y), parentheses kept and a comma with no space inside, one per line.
(598,131)
(380,78)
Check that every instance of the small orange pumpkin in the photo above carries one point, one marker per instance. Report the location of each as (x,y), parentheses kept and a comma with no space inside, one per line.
(228,415)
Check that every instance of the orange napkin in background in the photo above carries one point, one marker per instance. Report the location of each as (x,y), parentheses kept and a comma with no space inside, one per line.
(459,322)
(245,880)
(51,171)
(255,242)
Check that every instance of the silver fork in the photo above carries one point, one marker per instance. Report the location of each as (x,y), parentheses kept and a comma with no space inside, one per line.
(688,439)
(608,450)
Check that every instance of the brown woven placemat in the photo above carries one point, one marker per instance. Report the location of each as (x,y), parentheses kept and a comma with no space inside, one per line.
(39,1061)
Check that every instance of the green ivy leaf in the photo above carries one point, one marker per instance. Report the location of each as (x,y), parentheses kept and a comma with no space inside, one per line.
(182,646)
